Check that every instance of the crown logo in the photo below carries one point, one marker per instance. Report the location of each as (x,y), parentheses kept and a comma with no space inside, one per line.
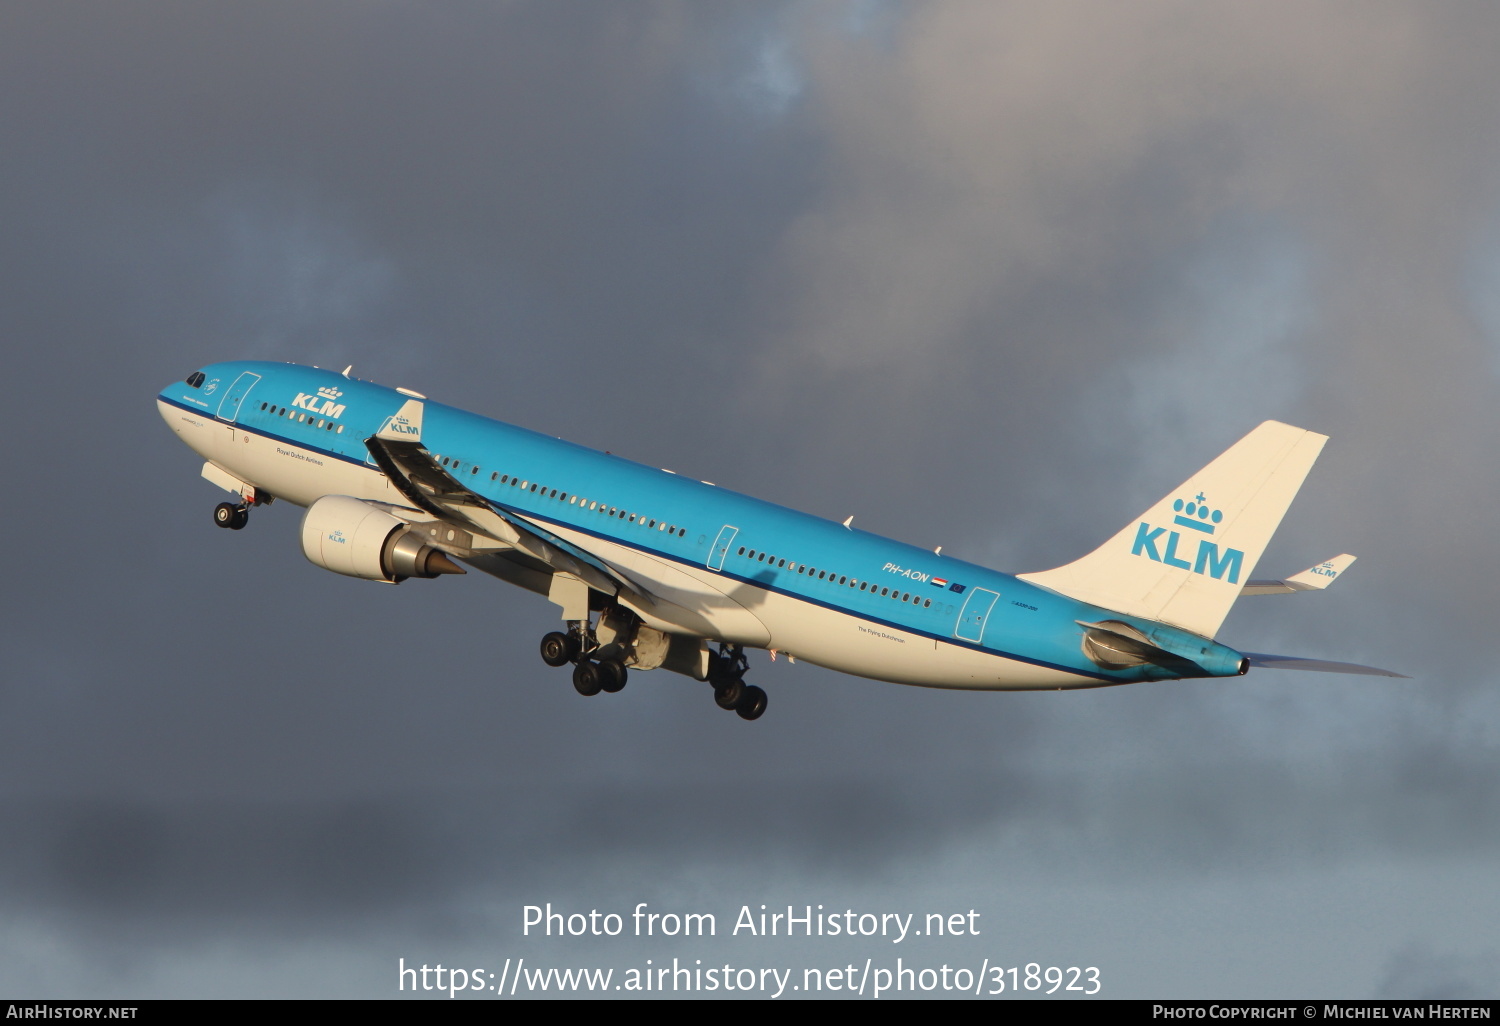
(329,392)
(1194,513)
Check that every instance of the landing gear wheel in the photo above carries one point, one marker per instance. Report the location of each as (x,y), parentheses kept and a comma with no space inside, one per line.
(241,518)
(727,695)
(556,650)
(586,678)
(612,675)
(752,703)
(226,514)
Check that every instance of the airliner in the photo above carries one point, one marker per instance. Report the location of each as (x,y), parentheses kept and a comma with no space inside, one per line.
(651,569)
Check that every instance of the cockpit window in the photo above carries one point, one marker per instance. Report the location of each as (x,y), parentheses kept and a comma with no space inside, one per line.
(195,379)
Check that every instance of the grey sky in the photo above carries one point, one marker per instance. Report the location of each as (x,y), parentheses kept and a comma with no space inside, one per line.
(987,275)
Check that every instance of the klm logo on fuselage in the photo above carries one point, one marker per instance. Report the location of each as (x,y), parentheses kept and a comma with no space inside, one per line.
(323,404)
(1172,547)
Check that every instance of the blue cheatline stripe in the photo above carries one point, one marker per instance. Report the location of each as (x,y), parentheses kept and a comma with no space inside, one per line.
(919,632)
(672,557)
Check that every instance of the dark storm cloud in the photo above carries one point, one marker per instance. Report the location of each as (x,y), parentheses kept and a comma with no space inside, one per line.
(987,276)
(1418,973)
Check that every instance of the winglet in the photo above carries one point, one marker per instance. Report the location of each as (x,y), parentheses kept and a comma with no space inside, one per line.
(405,425)
(1314,578)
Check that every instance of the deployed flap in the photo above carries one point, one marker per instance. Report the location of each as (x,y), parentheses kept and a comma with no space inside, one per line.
(1186,558)
(1314,578)
(413,471)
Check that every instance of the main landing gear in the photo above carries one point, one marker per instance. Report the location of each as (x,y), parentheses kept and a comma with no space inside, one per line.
(591,675)
(231,515)
(727,675)
(599,668)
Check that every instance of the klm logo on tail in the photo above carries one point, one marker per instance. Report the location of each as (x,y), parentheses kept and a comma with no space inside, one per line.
(1200,524)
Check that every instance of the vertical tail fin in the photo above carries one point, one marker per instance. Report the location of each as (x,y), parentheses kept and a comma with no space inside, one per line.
(1185,559)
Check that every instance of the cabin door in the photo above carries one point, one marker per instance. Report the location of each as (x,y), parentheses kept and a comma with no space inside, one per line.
(975,611)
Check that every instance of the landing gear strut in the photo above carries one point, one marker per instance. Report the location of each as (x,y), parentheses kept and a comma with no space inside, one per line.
(234,517)
(727,675)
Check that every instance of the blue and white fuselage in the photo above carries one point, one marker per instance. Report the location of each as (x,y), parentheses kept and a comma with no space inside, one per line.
(700,563)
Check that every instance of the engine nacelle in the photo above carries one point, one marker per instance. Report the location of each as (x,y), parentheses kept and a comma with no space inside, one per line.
(357,539)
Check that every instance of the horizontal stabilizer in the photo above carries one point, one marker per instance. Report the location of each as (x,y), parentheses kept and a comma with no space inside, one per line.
(1279,662)
(1314,578)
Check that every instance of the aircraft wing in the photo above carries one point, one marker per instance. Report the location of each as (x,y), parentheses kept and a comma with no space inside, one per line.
(397,449)
(1314,578)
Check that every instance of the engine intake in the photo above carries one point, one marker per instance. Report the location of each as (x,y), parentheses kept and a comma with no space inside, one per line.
(357,539)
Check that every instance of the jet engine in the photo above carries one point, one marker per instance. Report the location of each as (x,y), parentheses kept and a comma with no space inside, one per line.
(358,539)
